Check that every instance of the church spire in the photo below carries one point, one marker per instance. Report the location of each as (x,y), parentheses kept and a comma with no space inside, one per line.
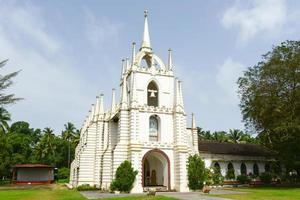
(146,36)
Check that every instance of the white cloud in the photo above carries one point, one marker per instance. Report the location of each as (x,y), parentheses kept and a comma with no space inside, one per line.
(100,31)
(226,79)
(255,17)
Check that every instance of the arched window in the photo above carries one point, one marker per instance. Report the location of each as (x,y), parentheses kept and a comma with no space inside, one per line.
(152,94)
(243,169)
(153,128)
(217,168)
(255,169)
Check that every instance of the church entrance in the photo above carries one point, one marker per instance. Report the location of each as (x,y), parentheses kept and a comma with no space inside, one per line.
(156,170)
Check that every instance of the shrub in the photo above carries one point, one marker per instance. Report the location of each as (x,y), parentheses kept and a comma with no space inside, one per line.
(63,173)
(125,176)
(86,187)
(197,173)
(265,177)
(243,179)
(217,178)
(230,174)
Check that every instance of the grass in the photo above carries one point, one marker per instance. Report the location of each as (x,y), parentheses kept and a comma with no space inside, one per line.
(265,193)
(57,192)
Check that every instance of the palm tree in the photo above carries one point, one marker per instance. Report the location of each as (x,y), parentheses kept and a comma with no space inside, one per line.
(49,140)
(4,119)
(68,134)
(220,136)
(46,145)
(6,82)
(235,135)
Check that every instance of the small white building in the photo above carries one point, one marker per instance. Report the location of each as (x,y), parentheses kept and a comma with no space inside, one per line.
(147,127)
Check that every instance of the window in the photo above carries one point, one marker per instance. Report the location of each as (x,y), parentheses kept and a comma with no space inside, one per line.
(255,169)
(243,169)
(152,94)
(153,128)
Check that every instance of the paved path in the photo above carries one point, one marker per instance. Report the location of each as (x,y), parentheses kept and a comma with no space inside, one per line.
(177,195)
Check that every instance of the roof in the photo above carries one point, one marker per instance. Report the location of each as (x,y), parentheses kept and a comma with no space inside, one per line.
(32,166)
(233,148)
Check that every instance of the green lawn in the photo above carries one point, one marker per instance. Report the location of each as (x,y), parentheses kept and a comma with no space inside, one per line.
(40,193)
(56,192)
(267,193)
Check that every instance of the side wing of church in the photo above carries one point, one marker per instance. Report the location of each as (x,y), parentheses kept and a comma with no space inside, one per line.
(146,127)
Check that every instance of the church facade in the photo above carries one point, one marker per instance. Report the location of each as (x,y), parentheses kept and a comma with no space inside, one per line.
(147,126)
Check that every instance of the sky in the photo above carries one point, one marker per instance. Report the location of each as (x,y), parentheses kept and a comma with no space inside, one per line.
(70,51)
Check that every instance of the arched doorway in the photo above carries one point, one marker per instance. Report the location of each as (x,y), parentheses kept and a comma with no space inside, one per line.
(156,169)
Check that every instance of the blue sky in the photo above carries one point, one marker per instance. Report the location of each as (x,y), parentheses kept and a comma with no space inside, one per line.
(71,51)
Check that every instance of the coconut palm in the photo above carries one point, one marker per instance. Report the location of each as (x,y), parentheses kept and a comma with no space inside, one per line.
(68,134)
(6,82)
(4,119)
(235,135)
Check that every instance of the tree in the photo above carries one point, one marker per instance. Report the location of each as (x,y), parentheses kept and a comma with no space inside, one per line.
(6,82)
(68,134)
(220,136)
(197,173)
(270,101)
(45,149)
(235,135)
(4,119)
(125,176)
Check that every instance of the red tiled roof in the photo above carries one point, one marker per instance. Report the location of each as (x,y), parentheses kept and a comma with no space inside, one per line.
(32,166)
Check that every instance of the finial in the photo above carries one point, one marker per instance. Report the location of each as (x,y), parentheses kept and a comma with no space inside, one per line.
(170,63)
(133,53)
(145,13)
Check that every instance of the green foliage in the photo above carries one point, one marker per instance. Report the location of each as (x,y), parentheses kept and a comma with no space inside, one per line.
(217,177)
(233,136)
(197,174)
(243,179)
(84,187)
(63,173)
(270,96)
(265,177)
(5,83)
(125,176)
(230,174)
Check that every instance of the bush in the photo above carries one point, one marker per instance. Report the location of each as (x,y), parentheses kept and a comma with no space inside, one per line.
(125,176)
(86,187)
(63,173)
(197,173)
(265,177)
(217,178)
(230,174)
(243,179)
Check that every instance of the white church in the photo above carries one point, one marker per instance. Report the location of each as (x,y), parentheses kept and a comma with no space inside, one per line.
(147,126)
